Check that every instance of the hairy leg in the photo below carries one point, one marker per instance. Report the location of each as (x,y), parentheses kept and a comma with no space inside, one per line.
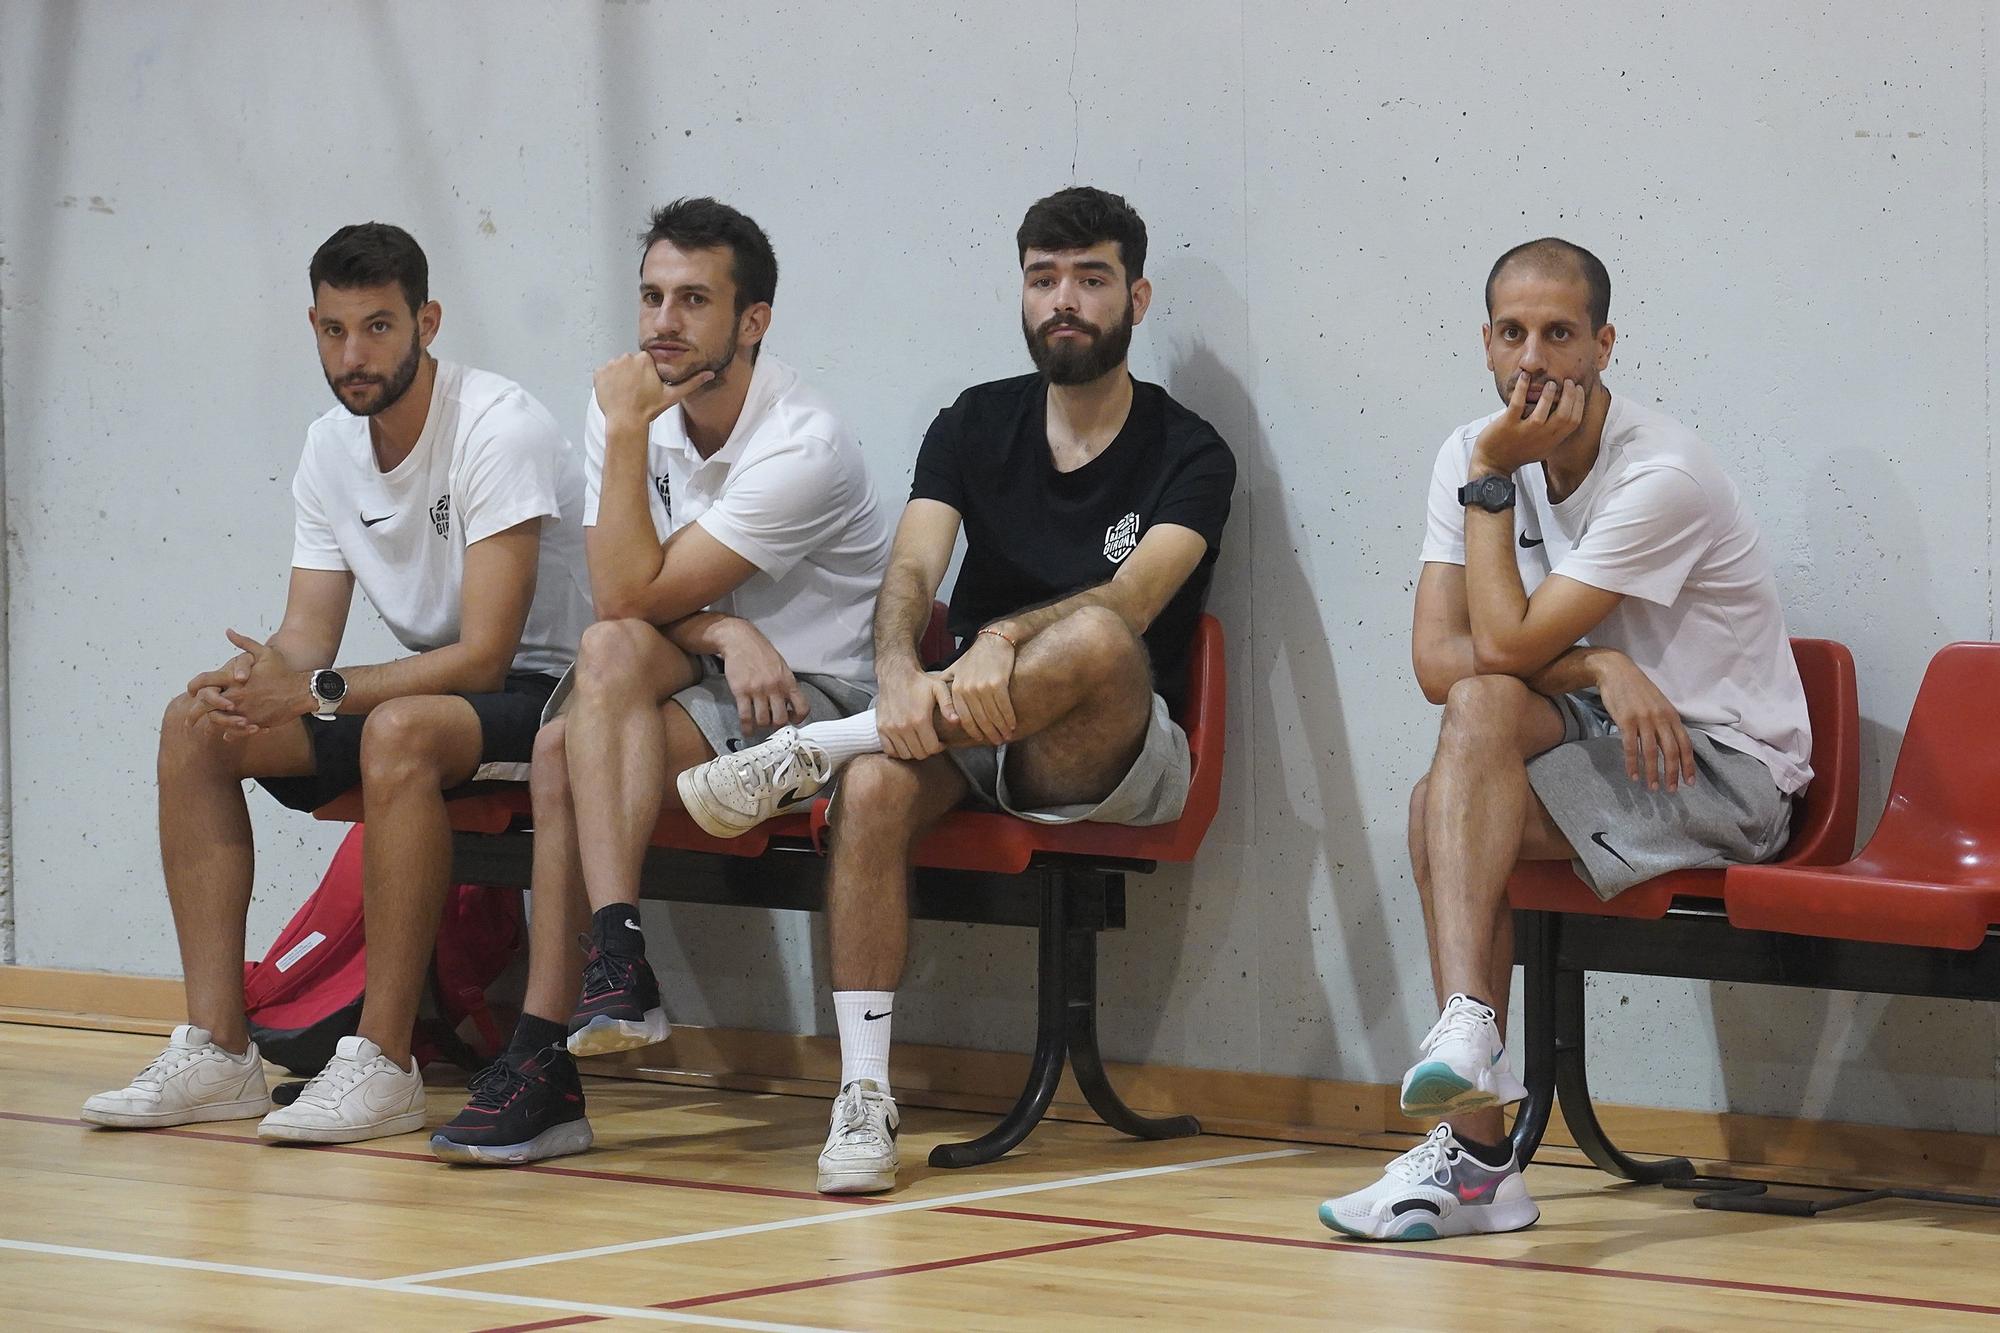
(882,806)
(559,911)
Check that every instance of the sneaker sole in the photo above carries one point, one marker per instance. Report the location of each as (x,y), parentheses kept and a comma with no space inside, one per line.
(1433,1089)
(408,1123)
(856,1182)
(603,1035)
(1468,1220)
(713,819)
(572,1136)
(193,1115)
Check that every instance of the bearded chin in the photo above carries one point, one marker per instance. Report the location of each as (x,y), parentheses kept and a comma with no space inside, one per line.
(1066,363)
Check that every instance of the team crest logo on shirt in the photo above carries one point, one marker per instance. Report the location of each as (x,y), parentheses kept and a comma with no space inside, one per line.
(1120,538)
(441,515)
(666,494)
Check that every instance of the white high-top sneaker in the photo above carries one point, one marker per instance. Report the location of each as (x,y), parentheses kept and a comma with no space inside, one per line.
(192,1081)
(860,1152)
(1465,1068)
(360,1094)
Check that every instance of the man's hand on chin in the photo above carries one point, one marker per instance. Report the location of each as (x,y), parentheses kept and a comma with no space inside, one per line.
(1520,436)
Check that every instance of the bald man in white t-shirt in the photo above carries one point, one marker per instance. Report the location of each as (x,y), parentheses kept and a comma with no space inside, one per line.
(450,497)
(1597,614)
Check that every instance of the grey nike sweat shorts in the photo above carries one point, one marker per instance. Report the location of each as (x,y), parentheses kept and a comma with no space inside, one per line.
(1623,834)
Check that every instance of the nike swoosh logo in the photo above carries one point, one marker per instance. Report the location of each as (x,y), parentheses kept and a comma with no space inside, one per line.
(1467,1195)
(1598,838)
(631,925)
(872,1017)
(792,795)
(368,522)
(1529,545)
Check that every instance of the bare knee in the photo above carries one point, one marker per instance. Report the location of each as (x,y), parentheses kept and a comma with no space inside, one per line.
(1482,712)
(612,656)
(400,745)
(877,797)
(186,741)
(548,775)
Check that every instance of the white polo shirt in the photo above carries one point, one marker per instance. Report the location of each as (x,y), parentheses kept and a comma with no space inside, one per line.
(1659,521)
(790,493)
(490,457)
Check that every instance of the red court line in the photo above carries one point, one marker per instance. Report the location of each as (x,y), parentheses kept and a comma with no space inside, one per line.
(813,1283)
(548,1323)
(1383,1251)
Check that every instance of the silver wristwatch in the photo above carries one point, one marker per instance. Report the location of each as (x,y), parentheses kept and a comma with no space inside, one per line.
(328,688)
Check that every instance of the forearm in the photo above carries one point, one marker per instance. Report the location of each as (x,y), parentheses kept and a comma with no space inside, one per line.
(456,668)
(705,633)
(902,612)
(1023,626)
(1443,665)
(626,557)
(1496,601)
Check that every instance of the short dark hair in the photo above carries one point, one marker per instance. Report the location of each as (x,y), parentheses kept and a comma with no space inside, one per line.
(368,254)
(1551,255)
(706,224)
(1083,216)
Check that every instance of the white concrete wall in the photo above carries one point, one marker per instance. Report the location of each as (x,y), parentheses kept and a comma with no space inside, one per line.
(1792,199)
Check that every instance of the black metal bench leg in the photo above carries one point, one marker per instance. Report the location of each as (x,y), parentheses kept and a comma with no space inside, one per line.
(1573,1087)
(1045,1070)
(1535,949)
(1081,975)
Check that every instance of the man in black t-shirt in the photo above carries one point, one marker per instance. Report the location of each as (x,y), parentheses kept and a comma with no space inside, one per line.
(1093,508)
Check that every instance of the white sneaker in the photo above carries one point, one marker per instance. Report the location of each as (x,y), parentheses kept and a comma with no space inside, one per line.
(192,1081)
(361,1094)
(1466,1067)
(860,1152)
(734,793)
(1435,1189)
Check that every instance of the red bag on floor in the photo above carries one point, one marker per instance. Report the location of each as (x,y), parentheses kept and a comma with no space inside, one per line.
(305,994)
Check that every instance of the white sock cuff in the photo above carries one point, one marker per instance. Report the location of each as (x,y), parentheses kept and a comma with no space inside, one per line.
(863,1017)
(845,738)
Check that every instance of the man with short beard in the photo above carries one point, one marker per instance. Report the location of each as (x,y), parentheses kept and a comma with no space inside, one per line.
(1093,507)
(450,496)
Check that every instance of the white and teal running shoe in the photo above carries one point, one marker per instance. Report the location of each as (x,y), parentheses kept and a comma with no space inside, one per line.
(1464,1068)
(1435,1189)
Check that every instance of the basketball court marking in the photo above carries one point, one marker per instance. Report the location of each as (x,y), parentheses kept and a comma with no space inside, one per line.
(845,1215)
(379,1284)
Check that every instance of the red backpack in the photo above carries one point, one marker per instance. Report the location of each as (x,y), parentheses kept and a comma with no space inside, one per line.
(305,995)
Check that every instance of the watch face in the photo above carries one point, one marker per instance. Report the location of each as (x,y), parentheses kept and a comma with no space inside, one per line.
(330,686)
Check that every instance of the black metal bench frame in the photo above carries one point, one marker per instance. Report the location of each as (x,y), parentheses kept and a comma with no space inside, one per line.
(1695,941)
(1067,900)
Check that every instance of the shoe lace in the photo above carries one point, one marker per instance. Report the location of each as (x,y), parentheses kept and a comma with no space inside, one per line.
(496,1085)
(853,1121)
(165,1065)
(1430,1159)
(1459,1022)
(798,763)
(331,1084)
(604,972)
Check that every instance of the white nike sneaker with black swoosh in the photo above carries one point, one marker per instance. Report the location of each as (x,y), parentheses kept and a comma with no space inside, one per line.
(860,1152)
(192,1081)
(734,793)
(361,1094)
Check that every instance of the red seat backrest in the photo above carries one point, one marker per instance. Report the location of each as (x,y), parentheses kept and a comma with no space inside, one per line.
(937,645)
(1943,813)
(1823,832)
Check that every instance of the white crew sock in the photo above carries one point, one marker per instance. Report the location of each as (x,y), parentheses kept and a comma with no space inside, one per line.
(845,738)
(863,1016)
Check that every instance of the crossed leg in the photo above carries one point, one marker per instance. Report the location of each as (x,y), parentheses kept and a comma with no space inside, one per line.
(1472,816)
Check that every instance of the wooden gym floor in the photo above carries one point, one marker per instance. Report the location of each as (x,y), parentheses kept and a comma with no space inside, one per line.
(697,1209)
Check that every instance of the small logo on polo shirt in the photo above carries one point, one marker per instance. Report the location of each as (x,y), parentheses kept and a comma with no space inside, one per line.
(1121,538)
(666,494)
(441,515)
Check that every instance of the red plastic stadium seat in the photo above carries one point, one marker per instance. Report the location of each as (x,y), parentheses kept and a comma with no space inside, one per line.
(986,840)
(1931,874)
(1822,829)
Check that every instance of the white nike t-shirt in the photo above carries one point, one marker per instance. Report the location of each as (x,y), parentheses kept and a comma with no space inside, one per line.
(1659,521)
(789,492)
(490,457)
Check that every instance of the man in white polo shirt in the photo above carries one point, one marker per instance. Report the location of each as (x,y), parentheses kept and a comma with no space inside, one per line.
(450,496)
(736,546)
(1599,617)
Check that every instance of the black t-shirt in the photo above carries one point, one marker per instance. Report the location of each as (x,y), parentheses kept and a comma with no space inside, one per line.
(1034,535)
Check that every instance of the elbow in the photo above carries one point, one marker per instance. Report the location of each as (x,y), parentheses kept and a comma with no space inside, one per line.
(1494,657)
(1435,688)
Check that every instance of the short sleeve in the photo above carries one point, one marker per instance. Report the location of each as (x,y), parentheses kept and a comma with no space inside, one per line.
(940,471)
(1646,537)
(780,506)
(510,471)
(313,542)
(593,458)
(1444,516)
(1198,496)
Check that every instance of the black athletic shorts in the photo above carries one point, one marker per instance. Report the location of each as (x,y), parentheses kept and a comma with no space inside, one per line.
(507,723)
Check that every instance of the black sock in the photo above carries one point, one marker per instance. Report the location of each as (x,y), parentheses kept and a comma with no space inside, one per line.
(1486,1154)
(615,929)
(532,1034)
(1481,1003)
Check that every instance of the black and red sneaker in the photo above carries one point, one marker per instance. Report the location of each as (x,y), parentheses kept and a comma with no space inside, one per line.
(620,1009)
(519,1112)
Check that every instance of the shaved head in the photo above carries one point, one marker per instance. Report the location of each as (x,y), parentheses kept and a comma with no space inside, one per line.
(1553,257)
